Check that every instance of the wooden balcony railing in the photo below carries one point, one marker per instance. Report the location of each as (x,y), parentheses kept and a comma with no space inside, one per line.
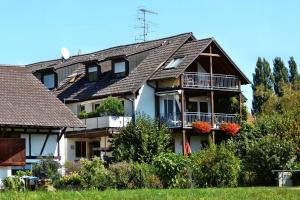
(202,81)
(190,117)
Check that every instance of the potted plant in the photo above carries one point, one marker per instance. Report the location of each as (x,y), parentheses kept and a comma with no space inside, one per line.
(111,106)
(202,127)
(231,129)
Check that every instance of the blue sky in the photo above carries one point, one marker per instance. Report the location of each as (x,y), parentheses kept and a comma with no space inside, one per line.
(35,30)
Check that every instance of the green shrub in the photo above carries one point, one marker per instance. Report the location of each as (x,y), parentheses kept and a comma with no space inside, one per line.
(93,174)
(13,183)
(46,168)
(70,181)
(215,167)
(141,141)
(270,153)
(121,175)
(111,106)
(172,169)
(71,166)
(83,115)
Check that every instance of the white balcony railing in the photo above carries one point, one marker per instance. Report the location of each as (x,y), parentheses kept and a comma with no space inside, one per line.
(202,81)
(103,122)
(190,117)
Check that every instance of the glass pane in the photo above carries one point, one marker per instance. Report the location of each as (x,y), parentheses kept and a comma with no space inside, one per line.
(93,76)
(49,81)
(204,107)
(192,107)
(119,67)
(174,63)
(92,69)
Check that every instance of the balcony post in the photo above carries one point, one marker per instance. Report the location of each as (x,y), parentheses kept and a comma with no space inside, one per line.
(212,114)
(211,67)
(240,102)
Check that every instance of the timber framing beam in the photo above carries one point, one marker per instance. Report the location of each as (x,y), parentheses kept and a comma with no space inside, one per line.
(45,142)
(210,54)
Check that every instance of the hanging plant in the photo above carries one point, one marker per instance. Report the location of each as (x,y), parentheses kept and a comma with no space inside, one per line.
(230,128)
(202,127)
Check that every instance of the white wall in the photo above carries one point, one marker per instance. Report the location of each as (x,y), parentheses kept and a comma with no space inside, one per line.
(178,143)
(145,101)
(37,141)
(195,142)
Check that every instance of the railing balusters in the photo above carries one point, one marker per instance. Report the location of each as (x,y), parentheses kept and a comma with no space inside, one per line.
(202,80)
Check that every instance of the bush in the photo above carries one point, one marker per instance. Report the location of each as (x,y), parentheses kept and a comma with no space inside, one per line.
(270,153)
(70,181)
(215,167)
(13,183)
(172,169)
(141,141)
(121,173)
(46,169)
(71,166)
(111,106)
(93,174)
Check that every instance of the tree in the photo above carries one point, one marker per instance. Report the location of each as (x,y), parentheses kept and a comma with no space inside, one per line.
(280,73)
(141,141)
(262,78)
(293,74)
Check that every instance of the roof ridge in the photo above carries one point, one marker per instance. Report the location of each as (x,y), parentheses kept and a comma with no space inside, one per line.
(119,46)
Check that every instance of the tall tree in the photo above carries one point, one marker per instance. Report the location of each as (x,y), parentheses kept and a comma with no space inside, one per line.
(262,79)
(293,74)
(280,73)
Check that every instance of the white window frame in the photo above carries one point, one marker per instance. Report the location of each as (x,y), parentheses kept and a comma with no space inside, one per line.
(49,82)
(119,67)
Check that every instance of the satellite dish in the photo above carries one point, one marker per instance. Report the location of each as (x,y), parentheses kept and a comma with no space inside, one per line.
(65,53)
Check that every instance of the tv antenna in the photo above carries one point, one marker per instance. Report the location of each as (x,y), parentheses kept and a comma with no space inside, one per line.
(144,24)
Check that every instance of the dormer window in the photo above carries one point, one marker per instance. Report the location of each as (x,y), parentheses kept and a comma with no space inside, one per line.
(92,73)
(120,68)
(174,63)
(49,80)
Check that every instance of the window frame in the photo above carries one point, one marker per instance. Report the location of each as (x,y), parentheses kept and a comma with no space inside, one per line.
(120,74)
(47,73)
(82,150)
(98,72)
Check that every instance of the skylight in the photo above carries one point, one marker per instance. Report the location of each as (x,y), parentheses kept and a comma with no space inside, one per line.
(174,63)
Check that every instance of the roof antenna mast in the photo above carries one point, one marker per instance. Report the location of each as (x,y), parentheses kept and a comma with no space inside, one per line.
(144,24)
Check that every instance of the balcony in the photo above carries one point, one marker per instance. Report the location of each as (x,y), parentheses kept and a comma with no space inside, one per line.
(190,117)
(195,80)
(103,122)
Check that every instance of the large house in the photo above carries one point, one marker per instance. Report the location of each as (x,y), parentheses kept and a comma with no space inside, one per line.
(32,121)
(177,79)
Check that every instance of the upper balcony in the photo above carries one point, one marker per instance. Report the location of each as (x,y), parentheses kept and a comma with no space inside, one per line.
(103,122)
(196,80)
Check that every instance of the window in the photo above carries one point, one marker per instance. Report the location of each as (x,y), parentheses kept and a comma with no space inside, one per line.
(120,69)
(174,63)
(96,105)
(49,80)
(204,107)
(93,73)
(82,108)
(80,149)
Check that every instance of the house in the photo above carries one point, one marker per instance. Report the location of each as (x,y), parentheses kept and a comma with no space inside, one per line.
(177,79)
(32,121)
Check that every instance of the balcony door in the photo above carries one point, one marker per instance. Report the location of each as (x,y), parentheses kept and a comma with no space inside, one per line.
(170,110)
(199,105)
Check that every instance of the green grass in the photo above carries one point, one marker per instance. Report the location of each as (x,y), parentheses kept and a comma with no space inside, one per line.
(211,193)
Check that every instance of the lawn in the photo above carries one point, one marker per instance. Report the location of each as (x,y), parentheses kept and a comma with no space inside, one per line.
(212,193)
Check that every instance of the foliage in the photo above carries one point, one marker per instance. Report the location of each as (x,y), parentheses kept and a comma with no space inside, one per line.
(47,168)
(121,173)
(264,79)
(71,166)
(172,169)
(280,73)
(234,108)
(72,181)
(111,106)
(230,128)
(93,174)
(141,140)
(293,71)
(202,127)
(215,167)
(270,153)
(13,183)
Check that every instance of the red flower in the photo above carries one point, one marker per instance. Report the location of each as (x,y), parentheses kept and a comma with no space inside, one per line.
(230,128)
(202,127)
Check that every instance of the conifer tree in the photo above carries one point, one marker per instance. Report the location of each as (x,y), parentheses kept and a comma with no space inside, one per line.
(280,73)
(262,79)
(293,73)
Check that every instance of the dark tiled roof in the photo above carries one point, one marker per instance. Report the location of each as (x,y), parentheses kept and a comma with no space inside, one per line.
(190,51)
(124,50)
(24,101)
(81,89)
